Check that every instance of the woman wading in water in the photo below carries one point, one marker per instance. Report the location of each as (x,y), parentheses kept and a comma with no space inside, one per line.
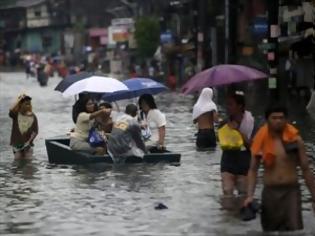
(24,127)
(204,115)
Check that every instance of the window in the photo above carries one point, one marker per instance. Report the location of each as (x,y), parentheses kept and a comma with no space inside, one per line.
(37,12)
(47,41)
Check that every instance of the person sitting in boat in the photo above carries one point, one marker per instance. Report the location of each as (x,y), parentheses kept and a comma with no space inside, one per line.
(24,127)
(125,139)
(155,120)
(204,115)
(84,122)
(76,106)
(104,123)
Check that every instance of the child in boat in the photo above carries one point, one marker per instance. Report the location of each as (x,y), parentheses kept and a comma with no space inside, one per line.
(104,123)
(126,139)
(24,127)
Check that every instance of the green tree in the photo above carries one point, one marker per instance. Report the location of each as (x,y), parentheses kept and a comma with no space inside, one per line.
(147,36)
(4,3)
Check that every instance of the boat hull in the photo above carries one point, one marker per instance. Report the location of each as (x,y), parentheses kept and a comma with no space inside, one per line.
(59,152)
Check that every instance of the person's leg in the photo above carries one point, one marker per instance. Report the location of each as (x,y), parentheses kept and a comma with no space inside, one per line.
(273,208)
(294,209)
(241,184)
(79,145)
(228,200)
(100,151)
(28,154)
(18,156)
(228,183)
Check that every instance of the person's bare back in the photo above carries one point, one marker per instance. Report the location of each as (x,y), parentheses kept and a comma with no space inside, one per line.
(284,169)
(205,121)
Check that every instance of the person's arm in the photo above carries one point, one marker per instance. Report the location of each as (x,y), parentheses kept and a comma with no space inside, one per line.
(15,107)
(306,170)
(216,118)
(33,134)
(246,141)
(105,111)
(252,179)
(160,120)
(162,136)
(135,131)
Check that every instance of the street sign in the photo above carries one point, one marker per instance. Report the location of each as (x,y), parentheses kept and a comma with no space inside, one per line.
(260,26)
(122,21)
(166,37)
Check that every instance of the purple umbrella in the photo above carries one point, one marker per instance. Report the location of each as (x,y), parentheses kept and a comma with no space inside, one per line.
(221,75)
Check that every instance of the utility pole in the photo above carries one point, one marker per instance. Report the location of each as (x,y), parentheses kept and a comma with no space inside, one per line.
(227,31)
(273,52)
(201,33)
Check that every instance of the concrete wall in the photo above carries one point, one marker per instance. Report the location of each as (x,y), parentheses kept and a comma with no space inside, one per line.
(34,40)
(37,16)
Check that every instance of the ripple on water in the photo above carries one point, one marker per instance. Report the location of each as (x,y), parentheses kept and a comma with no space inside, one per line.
(38,198)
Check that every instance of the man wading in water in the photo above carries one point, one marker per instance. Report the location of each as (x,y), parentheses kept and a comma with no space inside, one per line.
(278,145)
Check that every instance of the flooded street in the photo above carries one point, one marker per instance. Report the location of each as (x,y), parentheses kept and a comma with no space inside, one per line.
(39,198)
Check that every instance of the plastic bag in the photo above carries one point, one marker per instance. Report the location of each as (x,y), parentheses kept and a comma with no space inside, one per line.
(95,139)
(230,138)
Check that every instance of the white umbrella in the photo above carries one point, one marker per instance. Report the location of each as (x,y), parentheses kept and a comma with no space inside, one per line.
(95,84)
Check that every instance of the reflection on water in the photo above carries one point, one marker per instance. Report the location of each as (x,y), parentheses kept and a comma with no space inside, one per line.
(38,198)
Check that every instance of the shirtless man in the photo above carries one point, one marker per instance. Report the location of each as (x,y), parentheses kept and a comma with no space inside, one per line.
(279,146)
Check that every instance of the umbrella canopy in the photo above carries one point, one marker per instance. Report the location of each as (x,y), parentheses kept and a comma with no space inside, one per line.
(137,87)
(221,75)
(89,82)
(70,79)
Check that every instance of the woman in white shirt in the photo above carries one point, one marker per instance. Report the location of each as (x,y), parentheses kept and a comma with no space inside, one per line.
(155,120)
(83,123)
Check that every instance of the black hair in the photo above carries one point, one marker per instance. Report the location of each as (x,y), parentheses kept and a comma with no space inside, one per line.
(105,104)
(25,98)
(238,97)
(276,107)
(82,104)
(149,100)
(131,109)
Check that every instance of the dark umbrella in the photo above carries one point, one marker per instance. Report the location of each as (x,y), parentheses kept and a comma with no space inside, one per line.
(70,79)
(137,87)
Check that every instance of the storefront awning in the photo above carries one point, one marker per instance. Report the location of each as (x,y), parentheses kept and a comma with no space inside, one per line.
(97,32)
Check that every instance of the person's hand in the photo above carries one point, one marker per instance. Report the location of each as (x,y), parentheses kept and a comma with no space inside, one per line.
(107,111)
(143,125)
(247,201)
(21,96)
(233,125)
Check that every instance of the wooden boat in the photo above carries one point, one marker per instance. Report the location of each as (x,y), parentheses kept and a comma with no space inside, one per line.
(59,152)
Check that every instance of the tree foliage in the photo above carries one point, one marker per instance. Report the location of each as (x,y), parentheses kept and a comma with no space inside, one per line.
(147,36)
(4,3)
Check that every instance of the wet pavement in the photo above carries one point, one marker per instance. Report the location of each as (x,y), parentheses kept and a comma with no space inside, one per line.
(39,198)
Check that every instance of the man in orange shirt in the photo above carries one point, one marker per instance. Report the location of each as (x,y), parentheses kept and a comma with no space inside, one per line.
(281,149)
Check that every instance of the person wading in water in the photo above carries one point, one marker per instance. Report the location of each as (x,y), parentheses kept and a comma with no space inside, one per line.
(280,148)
